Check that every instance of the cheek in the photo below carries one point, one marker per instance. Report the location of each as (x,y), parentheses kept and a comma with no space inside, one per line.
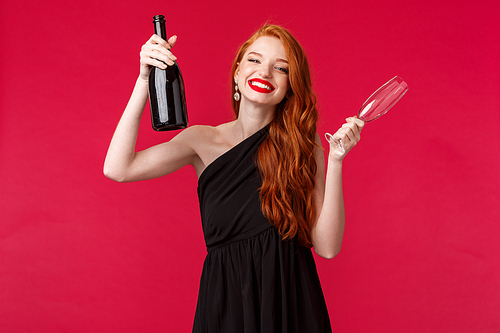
(285,84)
(285,81)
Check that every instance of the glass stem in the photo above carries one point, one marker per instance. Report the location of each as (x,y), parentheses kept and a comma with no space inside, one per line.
(334,140)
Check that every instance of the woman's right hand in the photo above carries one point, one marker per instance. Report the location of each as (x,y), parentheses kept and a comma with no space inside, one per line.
(156,52)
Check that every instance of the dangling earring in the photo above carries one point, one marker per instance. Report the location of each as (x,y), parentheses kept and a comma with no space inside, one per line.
(236,95)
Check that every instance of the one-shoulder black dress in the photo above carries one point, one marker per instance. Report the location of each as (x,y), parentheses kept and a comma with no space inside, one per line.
(252,280)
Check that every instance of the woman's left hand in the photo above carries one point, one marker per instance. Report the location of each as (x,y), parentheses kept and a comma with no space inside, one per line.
(349,133)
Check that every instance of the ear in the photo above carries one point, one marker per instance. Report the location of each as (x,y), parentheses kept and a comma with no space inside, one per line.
(237,72)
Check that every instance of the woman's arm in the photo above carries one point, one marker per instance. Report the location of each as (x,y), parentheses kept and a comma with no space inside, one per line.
(122,163)
(328,230)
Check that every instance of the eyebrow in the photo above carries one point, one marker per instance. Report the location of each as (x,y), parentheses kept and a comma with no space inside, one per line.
(259,54)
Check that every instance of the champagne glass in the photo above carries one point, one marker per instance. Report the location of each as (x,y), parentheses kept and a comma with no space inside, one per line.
(377,104)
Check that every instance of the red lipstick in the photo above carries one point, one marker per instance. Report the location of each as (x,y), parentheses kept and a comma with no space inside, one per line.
(261,86)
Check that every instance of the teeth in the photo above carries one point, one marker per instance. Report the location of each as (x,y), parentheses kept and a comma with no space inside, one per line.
(261,85)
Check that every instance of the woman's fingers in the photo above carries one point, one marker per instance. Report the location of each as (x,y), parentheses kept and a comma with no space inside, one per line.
(155,39)
(350,134)
(356,120)
(172,40)
(157,49)
(353,126)
(156,52)
(343,134)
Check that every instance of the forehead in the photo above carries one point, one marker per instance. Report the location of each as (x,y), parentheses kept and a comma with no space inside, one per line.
(267,45)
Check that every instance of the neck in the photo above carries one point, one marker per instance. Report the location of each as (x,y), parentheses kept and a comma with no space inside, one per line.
(252,117)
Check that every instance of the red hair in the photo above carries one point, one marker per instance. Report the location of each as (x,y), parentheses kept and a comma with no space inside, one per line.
(286,157)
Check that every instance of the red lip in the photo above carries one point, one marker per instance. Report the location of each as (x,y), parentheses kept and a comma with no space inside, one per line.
(259,89)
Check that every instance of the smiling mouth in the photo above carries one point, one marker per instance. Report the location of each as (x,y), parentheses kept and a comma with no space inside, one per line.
(261,86)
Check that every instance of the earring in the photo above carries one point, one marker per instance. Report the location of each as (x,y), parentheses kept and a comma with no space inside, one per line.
(236,95)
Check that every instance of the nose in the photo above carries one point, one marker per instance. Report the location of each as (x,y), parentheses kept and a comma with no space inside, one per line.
(265,71)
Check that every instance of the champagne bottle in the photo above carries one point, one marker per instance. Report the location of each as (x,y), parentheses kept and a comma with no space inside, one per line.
(167,99)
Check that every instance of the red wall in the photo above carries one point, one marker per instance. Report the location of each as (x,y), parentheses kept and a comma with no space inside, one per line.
(80,253)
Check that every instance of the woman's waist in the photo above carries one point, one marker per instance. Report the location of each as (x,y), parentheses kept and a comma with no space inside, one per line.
(214,243)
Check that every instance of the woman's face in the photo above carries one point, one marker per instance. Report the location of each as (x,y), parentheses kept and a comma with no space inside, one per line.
(262,74)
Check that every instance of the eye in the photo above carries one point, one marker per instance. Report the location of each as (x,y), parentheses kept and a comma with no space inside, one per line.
(254,60)
(282,69)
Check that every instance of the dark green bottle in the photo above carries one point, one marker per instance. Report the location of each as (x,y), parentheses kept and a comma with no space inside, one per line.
(167,99)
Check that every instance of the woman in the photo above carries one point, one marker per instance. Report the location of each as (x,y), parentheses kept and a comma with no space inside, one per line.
(263,196)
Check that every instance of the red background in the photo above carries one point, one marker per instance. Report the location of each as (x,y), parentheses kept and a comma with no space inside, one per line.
(80,253)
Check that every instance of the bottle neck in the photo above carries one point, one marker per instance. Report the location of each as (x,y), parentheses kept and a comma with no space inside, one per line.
(160,30)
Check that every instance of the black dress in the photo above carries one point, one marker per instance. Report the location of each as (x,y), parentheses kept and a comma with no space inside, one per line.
(252,281)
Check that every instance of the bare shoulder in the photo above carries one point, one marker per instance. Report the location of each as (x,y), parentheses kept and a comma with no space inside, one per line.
(207,142)
(319,153)
(200,135)
(193,133)
(317,139)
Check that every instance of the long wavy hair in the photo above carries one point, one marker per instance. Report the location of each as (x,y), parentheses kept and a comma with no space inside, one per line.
(286,157)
